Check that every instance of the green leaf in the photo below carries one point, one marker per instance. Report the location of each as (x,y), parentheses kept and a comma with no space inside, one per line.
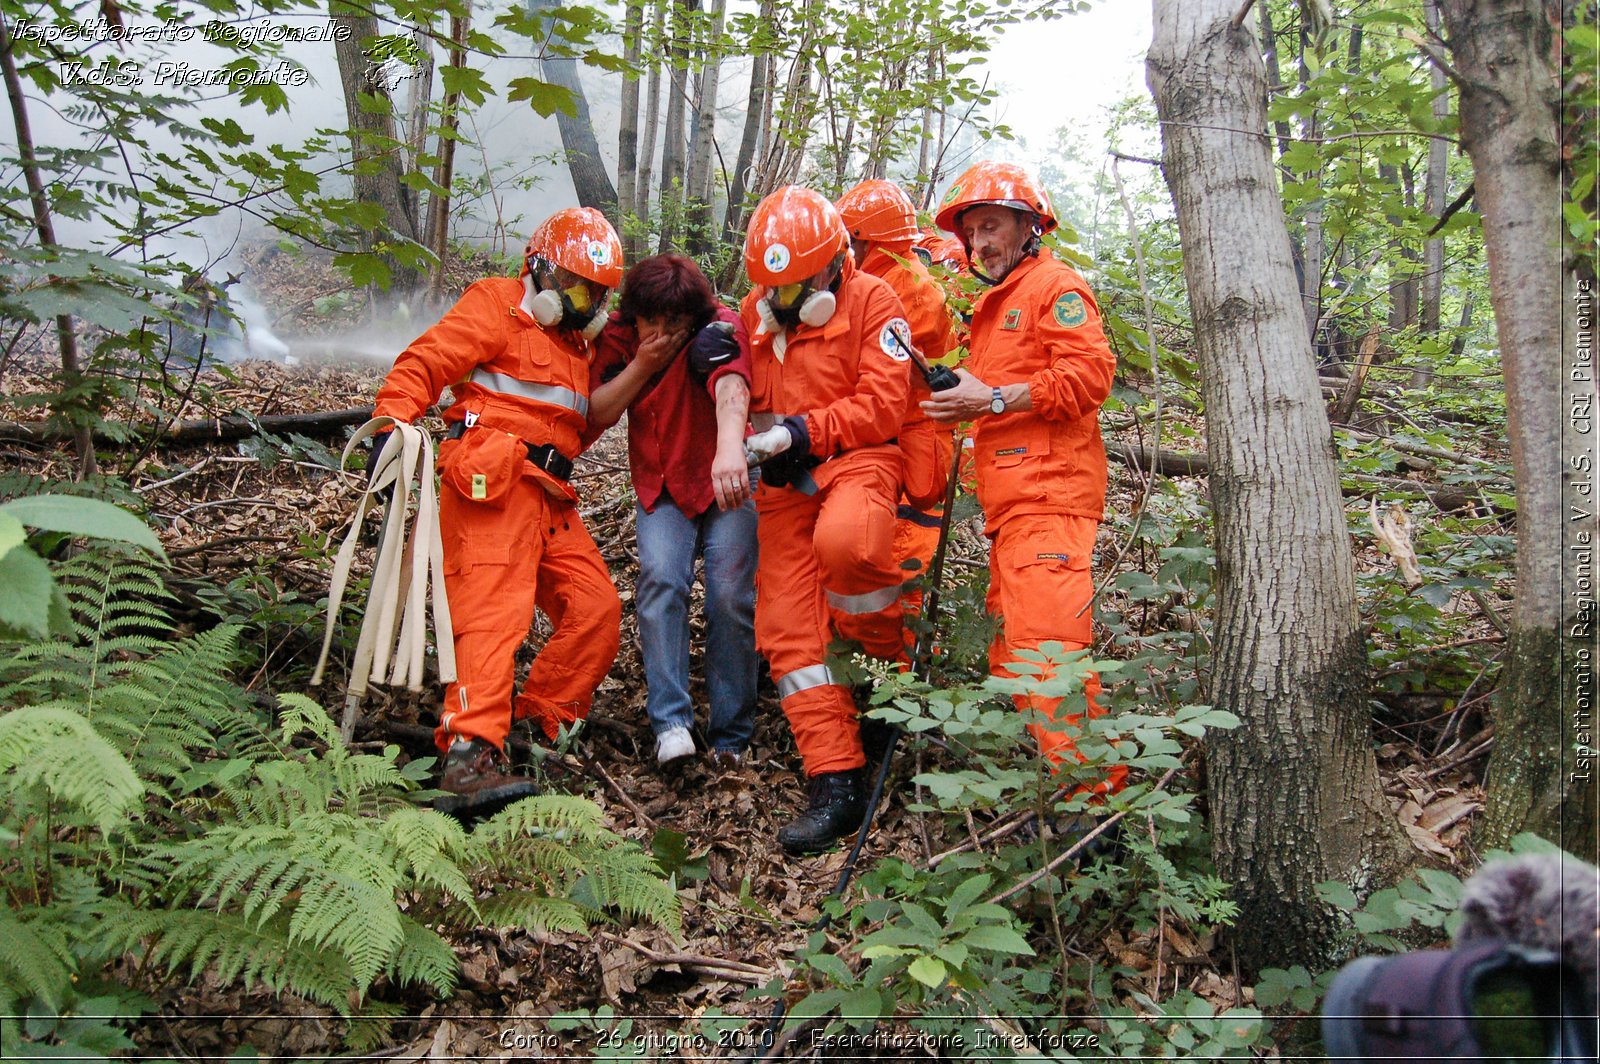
(929,971)
(11,533)
(997,939)
(544,97)
(25,607)
(83,517)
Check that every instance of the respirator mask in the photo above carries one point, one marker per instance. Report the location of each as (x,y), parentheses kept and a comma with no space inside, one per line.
(800,303)
(560,298)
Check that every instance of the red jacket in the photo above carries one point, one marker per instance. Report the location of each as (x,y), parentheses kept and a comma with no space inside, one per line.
(672,423)
(1041,325)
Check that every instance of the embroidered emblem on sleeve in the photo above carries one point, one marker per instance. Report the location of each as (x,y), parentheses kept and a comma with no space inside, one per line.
(1070,311)
(887,341)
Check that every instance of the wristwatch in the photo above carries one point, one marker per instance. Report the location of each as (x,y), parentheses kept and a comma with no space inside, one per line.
(997,404)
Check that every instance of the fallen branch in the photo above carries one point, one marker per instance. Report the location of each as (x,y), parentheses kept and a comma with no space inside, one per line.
(232,427)
(736,970)
(1160,463)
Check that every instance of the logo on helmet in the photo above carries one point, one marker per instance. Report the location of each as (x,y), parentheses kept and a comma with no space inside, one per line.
(776,259)
(950,197)
(599,254)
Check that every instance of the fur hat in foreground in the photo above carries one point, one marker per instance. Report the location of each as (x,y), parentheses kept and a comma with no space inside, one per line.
(1545,900)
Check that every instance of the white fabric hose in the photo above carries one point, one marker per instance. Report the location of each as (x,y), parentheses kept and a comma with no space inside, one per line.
(392,646)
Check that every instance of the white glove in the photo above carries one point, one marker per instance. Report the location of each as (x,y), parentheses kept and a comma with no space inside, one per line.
(764,445)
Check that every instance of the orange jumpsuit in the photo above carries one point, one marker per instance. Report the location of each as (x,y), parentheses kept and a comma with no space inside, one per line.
(511,533)
(1042,472)
(832,553)
(927,445)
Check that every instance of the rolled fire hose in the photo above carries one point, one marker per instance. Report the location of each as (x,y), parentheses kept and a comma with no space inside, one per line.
(392,646)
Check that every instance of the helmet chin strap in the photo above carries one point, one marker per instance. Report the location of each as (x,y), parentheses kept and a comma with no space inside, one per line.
(1029,249)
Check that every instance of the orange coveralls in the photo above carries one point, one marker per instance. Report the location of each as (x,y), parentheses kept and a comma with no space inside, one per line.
(511,533)
(926,444)
(1042,472)
(831,553)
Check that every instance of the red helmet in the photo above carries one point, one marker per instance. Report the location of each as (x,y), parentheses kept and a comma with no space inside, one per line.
(879,212)
(580,241)
(1002,184)
(793,234)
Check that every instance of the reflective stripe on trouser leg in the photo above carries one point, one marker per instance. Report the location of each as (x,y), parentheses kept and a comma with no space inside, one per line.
(575,591)
(823,719)
(1039,582)
(792,632)
(490,557)
(854,542)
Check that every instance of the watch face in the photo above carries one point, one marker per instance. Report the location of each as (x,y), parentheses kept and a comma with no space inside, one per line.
(997,405)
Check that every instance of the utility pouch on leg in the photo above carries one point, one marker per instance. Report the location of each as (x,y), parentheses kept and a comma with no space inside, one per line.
(927,449)
(484,464)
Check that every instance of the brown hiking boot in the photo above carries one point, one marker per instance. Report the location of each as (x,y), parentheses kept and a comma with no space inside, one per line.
(479,785)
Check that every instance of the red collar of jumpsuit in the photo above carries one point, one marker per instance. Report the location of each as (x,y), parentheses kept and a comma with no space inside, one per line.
(1042,472)
(827,560)
(512,537)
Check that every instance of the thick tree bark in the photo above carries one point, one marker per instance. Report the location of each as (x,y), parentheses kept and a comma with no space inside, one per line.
(628,132)
(1510,128)
(1294,791)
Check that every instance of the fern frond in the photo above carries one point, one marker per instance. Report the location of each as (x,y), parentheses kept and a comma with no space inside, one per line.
(431,844)
(61,751)
(240,950)
(355,918)
(534,912)
(35,958)
(565,818)
(425,958)
(627,879)
(300,715)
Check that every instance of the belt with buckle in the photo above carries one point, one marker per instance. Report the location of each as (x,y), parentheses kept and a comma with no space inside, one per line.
(543,455)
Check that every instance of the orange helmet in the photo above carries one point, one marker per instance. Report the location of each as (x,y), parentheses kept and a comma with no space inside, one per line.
(580,241)
(1002,184)
(879,212)
(793,234)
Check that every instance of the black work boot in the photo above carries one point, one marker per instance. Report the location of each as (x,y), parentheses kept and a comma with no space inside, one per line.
(479,785)
(837,804)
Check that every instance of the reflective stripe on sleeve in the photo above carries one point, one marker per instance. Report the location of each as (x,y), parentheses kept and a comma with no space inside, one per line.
(804,680)
(506,384)
(866,602)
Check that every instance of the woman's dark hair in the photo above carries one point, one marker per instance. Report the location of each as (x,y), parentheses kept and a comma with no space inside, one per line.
(666,285)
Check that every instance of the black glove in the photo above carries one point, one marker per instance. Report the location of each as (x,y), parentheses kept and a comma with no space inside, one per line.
(713,347)
(375,444)
(786,467)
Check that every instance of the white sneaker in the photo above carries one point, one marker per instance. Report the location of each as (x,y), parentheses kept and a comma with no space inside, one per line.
(674,744)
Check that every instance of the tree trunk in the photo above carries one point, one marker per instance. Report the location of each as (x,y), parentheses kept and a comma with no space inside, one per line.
(444,173)
(69,409)
(1294,791)
(628,133)
(1435,195)
(755,106)
(376,161)
(699,181)
(672,137)
(1510,128)
(590,181)
(652,119)
(1312,251)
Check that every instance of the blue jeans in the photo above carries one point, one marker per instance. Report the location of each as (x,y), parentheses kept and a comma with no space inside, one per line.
(668,545)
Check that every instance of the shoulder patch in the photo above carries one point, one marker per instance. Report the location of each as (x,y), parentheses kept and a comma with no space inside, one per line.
(892,338)
(1070,311)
